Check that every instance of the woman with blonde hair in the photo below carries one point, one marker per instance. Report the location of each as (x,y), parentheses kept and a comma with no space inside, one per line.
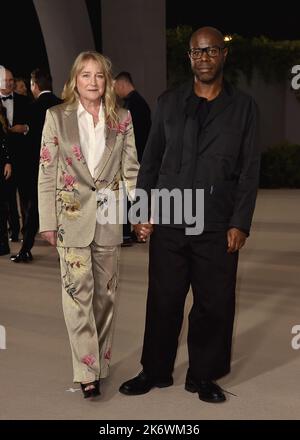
(87,153)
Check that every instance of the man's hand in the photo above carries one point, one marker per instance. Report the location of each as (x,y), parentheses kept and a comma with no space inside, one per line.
(19,128)
(236,239)
(143,231)
(7,171)
(50,236)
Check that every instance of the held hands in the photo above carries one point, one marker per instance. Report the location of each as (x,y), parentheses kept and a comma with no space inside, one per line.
(143,231)
(50,236)
(7,171)
(236,239)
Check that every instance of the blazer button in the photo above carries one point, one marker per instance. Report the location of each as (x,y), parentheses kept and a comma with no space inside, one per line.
(93,188)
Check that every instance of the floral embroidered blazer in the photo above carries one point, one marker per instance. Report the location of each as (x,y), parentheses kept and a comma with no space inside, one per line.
(69,197)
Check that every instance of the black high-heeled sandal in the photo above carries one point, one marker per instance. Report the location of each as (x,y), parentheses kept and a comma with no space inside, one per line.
(91,392)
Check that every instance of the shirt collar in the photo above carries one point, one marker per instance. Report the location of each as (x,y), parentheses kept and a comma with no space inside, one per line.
(44,91)
(81,110)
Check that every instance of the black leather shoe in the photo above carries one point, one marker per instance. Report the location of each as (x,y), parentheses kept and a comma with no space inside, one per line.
(142,384)
(207,390)
(22,257)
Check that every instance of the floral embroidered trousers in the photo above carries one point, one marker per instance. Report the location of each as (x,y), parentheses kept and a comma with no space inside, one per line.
(89,288)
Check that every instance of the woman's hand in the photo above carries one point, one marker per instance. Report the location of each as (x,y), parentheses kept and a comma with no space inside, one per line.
(7,171)
(50,236)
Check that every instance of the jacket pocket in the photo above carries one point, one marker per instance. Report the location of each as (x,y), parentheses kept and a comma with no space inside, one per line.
(219,198)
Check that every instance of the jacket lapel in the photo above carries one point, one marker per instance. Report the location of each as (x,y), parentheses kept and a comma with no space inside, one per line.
(110,140)
(72,132)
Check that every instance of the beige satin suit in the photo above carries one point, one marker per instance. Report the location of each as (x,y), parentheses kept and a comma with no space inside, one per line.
(69,202)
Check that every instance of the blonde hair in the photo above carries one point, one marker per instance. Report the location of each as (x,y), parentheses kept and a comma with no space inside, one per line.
(70,94)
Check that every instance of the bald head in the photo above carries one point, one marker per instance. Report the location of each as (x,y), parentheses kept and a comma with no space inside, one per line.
(7,83)
(207,54)
(208,32)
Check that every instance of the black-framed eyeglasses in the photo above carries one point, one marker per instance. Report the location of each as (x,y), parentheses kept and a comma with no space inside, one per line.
(211,51)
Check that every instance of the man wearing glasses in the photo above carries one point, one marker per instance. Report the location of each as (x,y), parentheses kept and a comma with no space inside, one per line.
(204,136)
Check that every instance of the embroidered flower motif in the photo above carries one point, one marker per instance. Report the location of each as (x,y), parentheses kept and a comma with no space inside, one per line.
(55,141)
(72,210)
(70,204)
(67,197)
(76,263)
(71,291)
(102,201)
(77,152)
(107,355)
(121,127)
(69,161)
(69,181)
(89,360)
(60,233)
(45,157)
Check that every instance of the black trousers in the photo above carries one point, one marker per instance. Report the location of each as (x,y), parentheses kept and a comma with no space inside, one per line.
(16,183)
(127,224)
(3,211)
(31,223)
(176,262)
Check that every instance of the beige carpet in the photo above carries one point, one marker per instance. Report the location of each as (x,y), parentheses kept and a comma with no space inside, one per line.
(35,368)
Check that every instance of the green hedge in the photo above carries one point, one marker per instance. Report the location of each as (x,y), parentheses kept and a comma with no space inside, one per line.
(273,60)
(280,167)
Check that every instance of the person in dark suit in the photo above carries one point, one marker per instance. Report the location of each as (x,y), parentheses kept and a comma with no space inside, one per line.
(138,107)
(141,119)
(41,88)
(5,173)
(203,137)
(17,113)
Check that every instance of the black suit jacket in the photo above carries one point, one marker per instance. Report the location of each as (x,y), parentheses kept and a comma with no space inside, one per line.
(37,113)
(4,159)
(17,142)
(141,120)
(225,163)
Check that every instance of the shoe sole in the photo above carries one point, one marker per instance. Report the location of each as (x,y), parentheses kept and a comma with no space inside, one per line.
(129,393)
(212,401)
(157,385)
(90,396)
(191,388)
